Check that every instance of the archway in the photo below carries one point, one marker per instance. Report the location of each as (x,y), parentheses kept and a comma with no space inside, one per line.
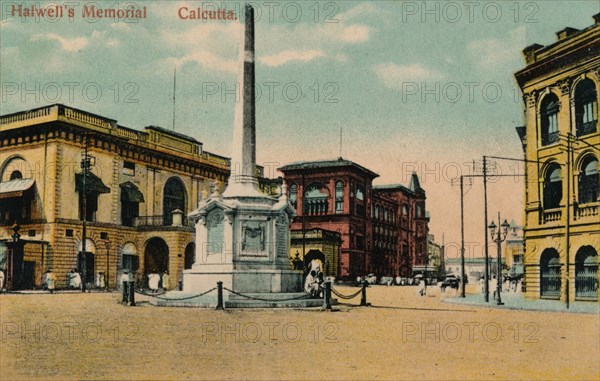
(586,273)
(156,256)
(550,274)
(190,256)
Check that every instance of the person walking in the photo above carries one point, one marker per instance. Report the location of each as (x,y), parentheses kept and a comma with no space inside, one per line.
(1,280)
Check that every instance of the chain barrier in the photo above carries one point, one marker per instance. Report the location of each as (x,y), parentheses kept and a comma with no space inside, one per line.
(158,296)
(347,297)
(305,296)
(141,292)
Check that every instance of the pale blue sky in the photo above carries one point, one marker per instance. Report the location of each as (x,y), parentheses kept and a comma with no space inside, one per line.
(374,62)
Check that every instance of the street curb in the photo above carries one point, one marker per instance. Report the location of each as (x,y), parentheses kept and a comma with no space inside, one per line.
(505,307)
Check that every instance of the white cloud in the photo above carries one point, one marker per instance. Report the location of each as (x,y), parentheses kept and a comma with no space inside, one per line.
(355,34)
(68,44)
(393,75)
(286,56)
(207,59)
(312,40)
(496,53)
(211,45)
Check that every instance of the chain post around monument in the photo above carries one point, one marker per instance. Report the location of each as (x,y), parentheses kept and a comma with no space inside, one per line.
(363,299)
(132,293)
(327,296)
(219,296)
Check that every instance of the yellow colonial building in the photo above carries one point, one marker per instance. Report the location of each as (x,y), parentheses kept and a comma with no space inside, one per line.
(561,142)
(141,186)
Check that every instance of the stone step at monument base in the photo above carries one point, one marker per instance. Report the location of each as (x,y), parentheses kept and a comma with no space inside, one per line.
(185,299)
(273,300)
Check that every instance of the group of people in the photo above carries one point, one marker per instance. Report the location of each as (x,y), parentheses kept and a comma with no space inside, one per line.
(154,281)
(508,285)
(313,284)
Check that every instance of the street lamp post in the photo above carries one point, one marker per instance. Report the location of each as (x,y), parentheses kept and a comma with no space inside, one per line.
(499,237)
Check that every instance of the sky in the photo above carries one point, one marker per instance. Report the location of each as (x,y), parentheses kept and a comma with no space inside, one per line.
(414,86)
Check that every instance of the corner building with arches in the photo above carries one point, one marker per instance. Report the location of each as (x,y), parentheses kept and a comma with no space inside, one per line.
(141,186)
(561,141)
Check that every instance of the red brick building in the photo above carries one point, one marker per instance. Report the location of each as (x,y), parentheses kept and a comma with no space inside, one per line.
(383,228)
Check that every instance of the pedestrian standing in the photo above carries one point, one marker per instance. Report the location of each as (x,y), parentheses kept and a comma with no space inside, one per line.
(125,284)
(50,281)
(165,280)
(1,280)
(422,287)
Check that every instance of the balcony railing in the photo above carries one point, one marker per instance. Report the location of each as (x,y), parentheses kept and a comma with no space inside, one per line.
(586,128)
(159,221)
(552,215)
(550,138)
(148,221)
(587,210)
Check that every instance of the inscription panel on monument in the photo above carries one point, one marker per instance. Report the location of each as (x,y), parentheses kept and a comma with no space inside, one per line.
(281,226)
(215,229)
(253,239)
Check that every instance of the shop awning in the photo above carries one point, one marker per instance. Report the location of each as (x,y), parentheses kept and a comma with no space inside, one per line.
(15,188)
(131,193)
(93,184)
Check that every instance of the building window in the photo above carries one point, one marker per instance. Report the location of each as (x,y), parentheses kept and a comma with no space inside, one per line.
(173,199)
(91,206)
(69,232)
(131,262)
(294,195)
(93,188)
(586,273)
(404,210)
(377,212)
(360,194)
(589,181)
(129,168)
(339,197)
(130,203)
(552,187)
(315,200)
(16,175)
(550,274)
(360,242)
(586,108)
(549,113)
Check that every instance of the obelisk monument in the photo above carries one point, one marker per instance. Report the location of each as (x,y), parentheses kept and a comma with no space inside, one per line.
(242,235)
(243,181)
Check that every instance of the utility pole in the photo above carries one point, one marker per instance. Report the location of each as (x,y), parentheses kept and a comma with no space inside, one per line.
(174,86)
(486,289)
(85,167)
(568,216)
(462,238)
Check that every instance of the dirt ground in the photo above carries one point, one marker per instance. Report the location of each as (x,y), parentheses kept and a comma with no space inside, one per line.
(402,336)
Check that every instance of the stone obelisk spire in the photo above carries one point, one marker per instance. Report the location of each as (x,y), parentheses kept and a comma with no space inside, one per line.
(243,181)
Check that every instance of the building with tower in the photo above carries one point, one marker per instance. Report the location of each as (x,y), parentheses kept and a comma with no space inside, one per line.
(383,228)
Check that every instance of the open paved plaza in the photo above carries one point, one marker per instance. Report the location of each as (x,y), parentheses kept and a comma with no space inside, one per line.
(401,336)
